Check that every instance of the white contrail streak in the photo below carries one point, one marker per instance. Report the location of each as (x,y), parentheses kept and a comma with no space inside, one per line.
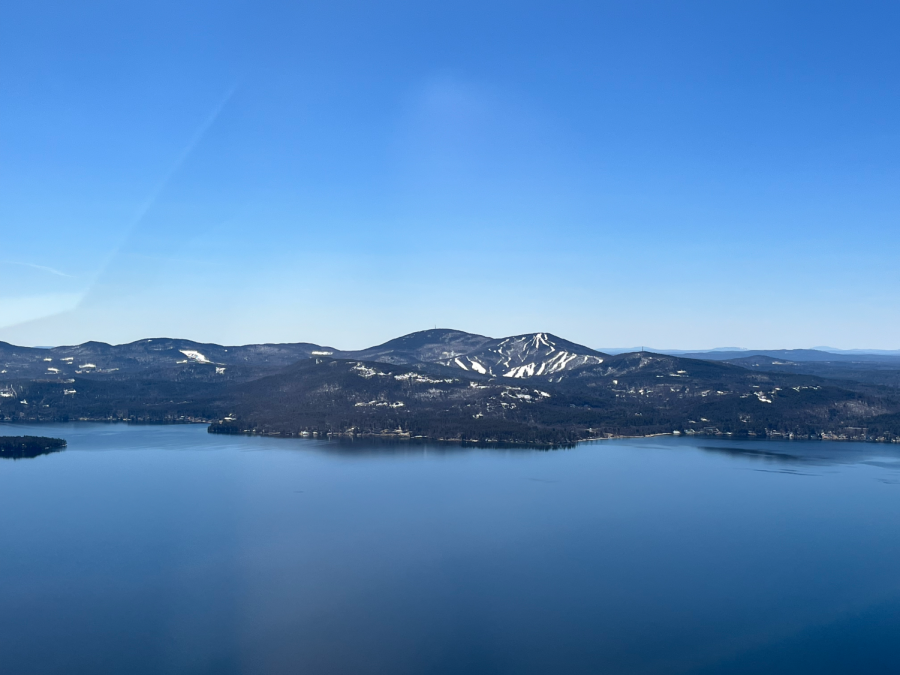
(157,191)
(189,148)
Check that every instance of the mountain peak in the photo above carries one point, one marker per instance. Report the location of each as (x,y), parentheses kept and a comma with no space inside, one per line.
(527,355)
(428,346)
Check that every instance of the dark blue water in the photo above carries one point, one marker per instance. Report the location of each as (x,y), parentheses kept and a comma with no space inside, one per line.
(169,550)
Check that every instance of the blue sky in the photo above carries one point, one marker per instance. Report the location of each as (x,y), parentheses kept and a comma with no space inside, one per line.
(683,175)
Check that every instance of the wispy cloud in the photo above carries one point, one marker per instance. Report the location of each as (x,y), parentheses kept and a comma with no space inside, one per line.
(43,268)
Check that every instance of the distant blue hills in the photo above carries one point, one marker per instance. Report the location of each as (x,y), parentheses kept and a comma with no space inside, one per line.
(796,355)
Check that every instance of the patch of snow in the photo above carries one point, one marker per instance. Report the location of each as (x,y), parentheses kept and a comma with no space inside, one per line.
(363,404)
(522,371)
(478,367)
(540,339)
(194,355)
(365,371)
(415,377)
(562,360)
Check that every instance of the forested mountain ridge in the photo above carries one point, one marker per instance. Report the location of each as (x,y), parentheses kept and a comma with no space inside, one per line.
(100,358)
(427,346)
(534,388)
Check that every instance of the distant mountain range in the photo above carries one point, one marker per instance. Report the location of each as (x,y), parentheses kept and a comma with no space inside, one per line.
(515,357)
(453,385)
(816,354)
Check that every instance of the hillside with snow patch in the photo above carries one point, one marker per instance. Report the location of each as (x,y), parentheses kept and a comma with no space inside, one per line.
(523,356)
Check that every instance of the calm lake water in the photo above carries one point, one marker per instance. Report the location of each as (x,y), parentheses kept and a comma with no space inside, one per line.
(170,550)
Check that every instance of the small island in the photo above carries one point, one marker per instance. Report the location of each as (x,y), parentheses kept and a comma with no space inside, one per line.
(25,447)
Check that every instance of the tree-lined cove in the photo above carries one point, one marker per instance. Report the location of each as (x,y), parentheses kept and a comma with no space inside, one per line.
(161,548)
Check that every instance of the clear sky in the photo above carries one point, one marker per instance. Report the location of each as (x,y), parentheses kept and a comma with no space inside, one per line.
(676,174)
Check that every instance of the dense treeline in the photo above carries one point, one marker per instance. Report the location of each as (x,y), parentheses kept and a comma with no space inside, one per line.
(22,447)
(629,396)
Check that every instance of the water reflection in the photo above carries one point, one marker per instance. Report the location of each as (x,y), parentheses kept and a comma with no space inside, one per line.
(819,453)
(416,446)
